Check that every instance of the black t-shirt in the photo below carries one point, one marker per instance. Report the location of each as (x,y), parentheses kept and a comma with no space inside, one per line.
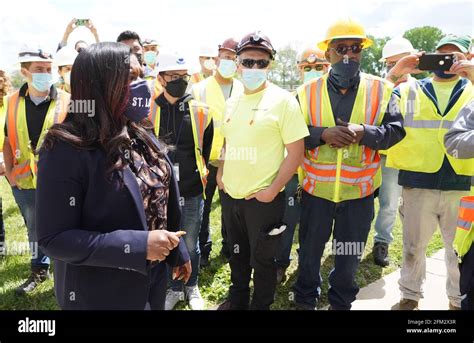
(35,114)
(176,131)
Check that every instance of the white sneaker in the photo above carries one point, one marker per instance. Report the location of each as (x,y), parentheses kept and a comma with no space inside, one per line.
(172,298)
(194,297)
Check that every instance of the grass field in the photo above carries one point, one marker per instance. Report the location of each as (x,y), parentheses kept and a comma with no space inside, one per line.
(214,280)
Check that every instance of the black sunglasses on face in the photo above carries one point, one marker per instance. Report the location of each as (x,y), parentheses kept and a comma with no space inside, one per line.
(249,63)
(342,50)
(317,67)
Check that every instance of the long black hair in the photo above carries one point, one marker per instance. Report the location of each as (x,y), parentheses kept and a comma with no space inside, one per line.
(100,76)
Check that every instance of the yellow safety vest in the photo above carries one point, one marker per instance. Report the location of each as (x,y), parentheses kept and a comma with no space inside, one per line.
(24,158)
(465,227)
(156,89)
(210,93)
(422,149)
(201,117)
(197,77)
(348,173)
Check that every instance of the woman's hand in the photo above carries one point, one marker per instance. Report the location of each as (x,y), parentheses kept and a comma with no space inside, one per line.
(182,272)
(160,243)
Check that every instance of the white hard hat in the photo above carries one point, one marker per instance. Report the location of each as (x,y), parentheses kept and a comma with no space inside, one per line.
(396,46)
(170,62)
(207,51)
(30,54)
(65,57)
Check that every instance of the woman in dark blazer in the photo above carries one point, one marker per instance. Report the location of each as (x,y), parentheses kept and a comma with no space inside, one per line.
(107,199)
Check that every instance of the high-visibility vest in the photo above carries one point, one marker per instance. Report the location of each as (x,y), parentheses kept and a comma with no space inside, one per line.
(422,149)
(201,117)
(465,227)
(210,93)
(156,89)
(3,116)
(197,77)
(347,173)
(24,158)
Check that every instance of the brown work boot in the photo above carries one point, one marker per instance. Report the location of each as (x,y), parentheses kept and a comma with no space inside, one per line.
(37,276)
(406,305)
(453,307)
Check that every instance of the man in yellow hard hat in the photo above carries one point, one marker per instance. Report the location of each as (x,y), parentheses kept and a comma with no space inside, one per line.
(349,120)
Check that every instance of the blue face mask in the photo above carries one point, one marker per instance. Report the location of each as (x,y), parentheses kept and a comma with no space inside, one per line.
(139,102)
(227,68)
(42,81)
(150,58)
(313,74)
(345,75)
(253,78)
(441,74)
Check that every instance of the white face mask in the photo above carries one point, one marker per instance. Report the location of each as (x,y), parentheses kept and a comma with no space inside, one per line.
(253,78)
(227,68)
(67,78)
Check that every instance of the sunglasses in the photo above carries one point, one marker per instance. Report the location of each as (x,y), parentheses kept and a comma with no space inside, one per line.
(342,50)
(317,67)
(249,63)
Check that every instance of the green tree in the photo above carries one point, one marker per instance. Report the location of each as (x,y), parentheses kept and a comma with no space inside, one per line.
(16,79)
(284,70)
(370,59)
(424,38)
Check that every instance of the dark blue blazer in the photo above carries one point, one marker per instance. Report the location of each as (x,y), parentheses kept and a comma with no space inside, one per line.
(96,232)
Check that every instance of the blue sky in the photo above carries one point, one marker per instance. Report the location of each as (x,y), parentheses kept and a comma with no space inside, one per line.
(185,25)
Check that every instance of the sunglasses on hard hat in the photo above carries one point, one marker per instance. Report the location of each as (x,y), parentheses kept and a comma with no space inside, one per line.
(342,50)
(317,67)
(249,63)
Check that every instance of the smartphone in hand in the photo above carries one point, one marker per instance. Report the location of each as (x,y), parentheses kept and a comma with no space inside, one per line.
(433,62)
(82,22)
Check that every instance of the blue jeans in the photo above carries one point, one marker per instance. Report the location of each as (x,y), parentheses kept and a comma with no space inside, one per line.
(191,219)
(351,220)
(25,199)
(291,218)
(389,193)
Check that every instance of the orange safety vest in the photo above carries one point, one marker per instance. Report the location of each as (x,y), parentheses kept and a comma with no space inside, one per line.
(24,158)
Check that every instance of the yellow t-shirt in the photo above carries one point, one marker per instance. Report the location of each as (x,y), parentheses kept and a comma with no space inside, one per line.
(443,92)
(256,128)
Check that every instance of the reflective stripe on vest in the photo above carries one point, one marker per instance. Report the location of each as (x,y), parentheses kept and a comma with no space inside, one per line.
(200,119)
(465,231)
(422,149)
(323,165)
(24,158)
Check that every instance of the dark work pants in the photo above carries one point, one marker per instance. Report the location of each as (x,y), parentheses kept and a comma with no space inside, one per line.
(349,222)
(467,280)
(247,224)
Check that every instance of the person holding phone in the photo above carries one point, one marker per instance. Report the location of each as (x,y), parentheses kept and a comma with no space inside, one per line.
(108,201)
(433,182)
(74,24)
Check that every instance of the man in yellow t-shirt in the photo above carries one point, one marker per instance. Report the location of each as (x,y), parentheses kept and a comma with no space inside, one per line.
(258,126)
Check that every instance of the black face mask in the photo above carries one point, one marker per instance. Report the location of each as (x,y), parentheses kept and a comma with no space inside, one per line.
(345,75)
(176,88)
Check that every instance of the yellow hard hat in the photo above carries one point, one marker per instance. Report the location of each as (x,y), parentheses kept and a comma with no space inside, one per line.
(345,28)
